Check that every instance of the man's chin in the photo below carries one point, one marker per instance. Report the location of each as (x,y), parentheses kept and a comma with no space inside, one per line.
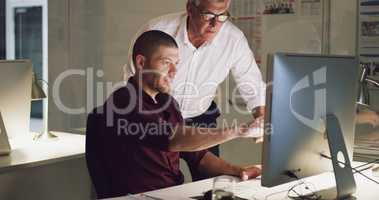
(211,32)
(164,90)
(209,36)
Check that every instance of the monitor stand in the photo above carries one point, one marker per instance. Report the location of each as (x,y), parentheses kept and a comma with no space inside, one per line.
(5,148)
(345,183)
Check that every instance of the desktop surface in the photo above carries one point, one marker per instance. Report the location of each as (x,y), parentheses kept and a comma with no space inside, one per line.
(27,152)
(252,189)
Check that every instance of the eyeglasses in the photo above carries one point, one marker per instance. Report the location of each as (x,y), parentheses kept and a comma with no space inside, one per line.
(223,17)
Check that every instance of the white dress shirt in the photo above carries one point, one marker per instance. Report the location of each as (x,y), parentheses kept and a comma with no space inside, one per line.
(202,69)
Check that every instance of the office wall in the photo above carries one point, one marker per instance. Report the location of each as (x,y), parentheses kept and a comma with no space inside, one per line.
(122,20)
(75,43)
(343,28)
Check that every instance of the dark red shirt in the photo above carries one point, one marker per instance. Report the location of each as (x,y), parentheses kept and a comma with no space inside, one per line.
(137,131)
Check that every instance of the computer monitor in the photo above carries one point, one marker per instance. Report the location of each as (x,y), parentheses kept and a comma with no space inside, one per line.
(305,89)
(15,96)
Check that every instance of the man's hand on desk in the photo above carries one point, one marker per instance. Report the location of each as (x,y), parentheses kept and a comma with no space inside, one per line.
(250,172)
(215,166)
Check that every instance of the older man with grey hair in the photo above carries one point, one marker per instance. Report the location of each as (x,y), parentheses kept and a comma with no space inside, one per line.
(210,48)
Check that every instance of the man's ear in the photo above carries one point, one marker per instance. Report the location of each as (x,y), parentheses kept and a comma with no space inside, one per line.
(140,61)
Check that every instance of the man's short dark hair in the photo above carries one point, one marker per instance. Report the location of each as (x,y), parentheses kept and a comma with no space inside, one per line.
(148,42)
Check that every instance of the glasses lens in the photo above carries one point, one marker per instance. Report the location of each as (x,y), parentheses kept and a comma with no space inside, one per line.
(208,16)
(222,18)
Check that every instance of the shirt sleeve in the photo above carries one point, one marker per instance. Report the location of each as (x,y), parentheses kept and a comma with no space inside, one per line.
(248,76)
(193,159)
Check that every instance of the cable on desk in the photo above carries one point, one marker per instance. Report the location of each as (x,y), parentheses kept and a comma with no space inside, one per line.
(365,169)
(275,193)
(312,196)
(292,174)
(369,163)
(352,168)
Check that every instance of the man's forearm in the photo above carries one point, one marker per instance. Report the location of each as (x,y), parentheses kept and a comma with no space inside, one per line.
(195,139)
(215,166)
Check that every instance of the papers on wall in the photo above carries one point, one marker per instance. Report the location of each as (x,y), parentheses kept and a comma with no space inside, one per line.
(369,40)
(369,7)
(247,16)
(279,7)
(310,7)
(369,29)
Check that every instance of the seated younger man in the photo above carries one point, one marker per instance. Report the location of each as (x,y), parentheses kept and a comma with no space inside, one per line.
(144,135)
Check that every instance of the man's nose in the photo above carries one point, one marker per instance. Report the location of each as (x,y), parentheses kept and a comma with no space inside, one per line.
(213,22)
(172,70)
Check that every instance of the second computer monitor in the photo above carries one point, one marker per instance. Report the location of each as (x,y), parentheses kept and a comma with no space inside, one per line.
(306,88)
(15,96)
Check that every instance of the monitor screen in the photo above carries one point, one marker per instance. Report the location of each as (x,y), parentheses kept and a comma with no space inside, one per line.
(305,89)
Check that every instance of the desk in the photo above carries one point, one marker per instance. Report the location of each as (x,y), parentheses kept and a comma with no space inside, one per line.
(52,169)
(366,190)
